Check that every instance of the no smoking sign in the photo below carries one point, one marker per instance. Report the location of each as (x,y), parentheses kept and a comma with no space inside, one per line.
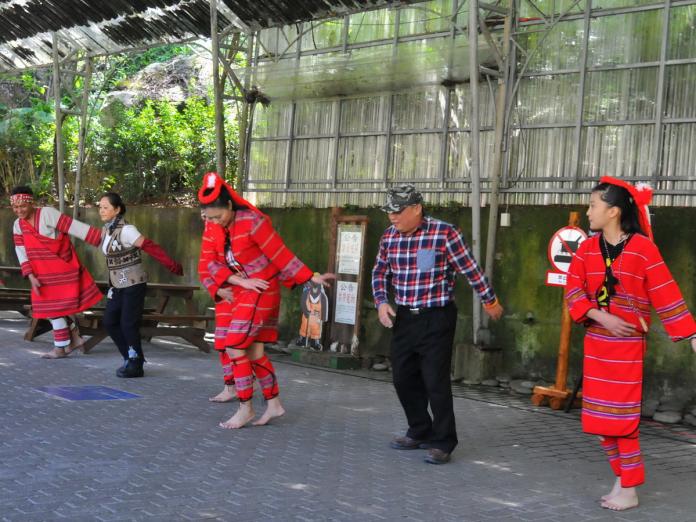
(562,247)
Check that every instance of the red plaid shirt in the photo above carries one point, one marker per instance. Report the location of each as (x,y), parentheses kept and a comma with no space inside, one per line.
(422,266)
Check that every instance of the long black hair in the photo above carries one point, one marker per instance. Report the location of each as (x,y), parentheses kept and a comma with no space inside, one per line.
(619,197)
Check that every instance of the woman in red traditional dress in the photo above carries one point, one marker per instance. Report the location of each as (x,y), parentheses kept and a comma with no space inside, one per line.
(228,393)
(614,279)
(243,262)
(60,285)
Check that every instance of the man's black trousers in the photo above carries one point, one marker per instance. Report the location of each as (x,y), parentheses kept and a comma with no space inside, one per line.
(421,356)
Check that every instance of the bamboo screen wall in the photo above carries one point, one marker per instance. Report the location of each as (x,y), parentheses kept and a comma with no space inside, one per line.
(358,104)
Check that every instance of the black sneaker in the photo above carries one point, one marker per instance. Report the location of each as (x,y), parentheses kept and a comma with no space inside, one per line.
(132,368)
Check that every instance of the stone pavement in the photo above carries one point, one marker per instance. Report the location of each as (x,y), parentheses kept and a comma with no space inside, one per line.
(162,456)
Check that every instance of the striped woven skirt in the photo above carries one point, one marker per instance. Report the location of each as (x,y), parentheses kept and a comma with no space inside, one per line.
(612,383)
(250,317)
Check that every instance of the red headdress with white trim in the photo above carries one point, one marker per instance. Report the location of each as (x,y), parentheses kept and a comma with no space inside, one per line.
(212,180)
(18,199)
(642,196)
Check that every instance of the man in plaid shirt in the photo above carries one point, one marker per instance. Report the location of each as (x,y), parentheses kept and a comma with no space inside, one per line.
(419,257)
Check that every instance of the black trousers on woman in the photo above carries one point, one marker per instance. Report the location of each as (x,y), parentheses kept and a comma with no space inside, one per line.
(421,356)
(123,315)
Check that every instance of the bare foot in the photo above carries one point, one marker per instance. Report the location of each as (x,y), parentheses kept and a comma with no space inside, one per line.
(240,419)
(626,498)
(273,411)
(56,353)
(614,490)
(228,394)
(76,342)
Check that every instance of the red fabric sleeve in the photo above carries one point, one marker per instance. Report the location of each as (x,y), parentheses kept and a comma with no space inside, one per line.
(212,273)
(158,254)
(26,268)
(94,236)
(292,270)
(666,297)
(24,265)
(579,303)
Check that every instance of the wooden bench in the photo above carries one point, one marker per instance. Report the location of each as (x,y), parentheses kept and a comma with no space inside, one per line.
(156,322)
(190,327)
(15,299)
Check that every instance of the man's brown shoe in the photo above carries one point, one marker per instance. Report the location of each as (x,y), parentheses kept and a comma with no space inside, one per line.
(437,456)
(405,443)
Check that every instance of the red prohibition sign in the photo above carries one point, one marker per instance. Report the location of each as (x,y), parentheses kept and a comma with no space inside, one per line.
(568,246)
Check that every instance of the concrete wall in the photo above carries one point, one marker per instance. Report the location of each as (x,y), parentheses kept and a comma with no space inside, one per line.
(527,336)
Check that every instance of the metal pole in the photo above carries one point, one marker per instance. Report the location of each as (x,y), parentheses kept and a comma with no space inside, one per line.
(444,146)
(217,88)
(83,134)
(390,105)
(509,87)
(581,95)
(336,145)
(658,139)
(474,153)
(246,126)
(498,151)
(59,125)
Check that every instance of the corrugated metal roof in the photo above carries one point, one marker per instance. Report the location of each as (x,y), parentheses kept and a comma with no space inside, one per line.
(107,27)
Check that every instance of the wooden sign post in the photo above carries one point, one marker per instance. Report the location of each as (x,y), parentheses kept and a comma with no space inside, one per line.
(558,393)
(346,260)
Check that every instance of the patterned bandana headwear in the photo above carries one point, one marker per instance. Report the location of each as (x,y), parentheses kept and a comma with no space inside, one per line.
(398,198)
(642,196)
(17,199)
(215,182)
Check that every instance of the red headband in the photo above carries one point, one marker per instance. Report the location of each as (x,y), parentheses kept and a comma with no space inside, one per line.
(16,199)
(642,196)
(213,181)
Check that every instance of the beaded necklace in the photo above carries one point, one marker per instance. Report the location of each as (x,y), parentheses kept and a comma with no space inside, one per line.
(609,262)
(610,280)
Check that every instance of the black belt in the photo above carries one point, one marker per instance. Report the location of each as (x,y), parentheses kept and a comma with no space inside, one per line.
(421,310)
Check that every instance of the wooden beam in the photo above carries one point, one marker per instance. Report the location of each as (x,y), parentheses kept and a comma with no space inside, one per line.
(59,125)
(83,134)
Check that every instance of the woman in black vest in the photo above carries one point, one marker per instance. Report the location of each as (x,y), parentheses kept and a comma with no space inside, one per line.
(121,244)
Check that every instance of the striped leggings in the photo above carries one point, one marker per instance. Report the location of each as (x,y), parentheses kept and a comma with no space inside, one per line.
(625,459)
(61,332)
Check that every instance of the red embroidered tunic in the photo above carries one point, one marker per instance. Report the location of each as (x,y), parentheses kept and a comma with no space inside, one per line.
(44,249)
(613,366)
(257,251)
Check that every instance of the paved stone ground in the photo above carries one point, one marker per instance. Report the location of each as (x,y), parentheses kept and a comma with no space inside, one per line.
(162,456)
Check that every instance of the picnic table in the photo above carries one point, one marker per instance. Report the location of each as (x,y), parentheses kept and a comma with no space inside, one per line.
(157,321)
(14,299)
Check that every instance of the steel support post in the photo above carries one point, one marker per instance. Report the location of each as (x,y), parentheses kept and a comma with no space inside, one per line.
(217,90)
(658,136)
(475,143)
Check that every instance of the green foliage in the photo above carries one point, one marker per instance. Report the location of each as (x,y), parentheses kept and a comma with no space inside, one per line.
(147,151)
(159,148)
(26,140)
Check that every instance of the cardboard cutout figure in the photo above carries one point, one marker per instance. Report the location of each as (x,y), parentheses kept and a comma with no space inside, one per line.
(315,312)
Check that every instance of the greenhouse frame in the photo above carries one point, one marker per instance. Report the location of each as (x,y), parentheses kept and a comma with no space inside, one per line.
(373,99)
